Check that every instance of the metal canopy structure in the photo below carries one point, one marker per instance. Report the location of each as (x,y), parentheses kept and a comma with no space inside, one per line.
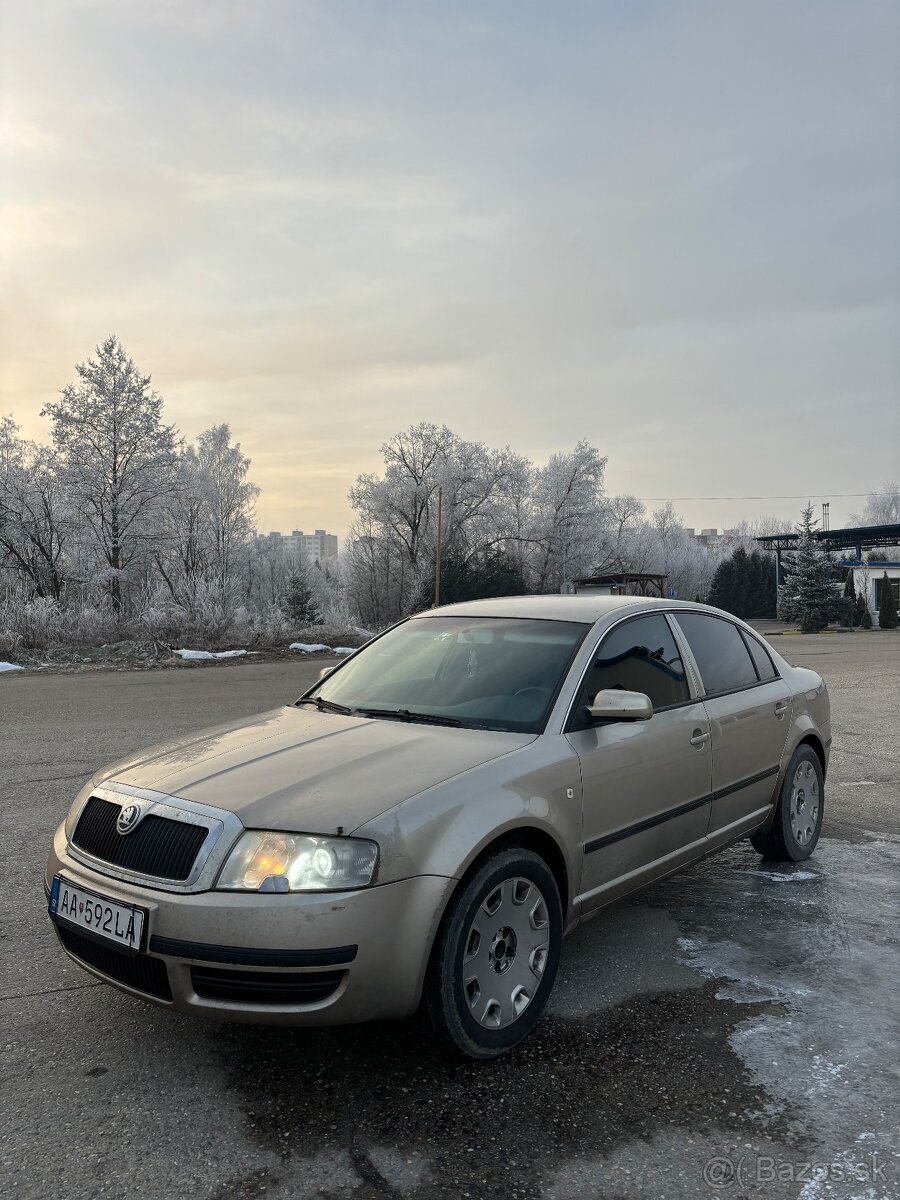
(619,583)
(868,537)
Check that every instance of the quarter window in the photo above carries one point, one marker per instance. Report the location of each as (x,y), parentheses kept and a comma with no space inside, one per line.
(761,660)
(639,656)
(719,649)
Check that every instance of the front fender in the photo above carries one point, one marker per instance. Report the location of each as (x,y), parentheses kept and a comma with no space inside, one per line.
(443,830)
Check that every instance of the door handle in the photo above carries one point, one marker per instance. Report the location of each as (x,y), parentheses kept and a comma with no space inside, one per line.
(781,708)
(699,738)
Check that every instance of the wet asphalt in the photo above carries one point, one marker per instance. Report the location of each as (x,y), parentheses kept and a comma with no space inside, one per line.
(733,1031)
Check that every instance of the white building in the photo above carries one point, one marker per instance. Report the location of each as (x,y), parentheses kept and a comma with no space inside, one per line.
(315,547)
(868,579)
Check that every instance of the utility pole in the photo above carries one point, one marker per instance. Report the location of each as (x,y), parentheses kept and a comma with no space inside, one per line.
(437,552)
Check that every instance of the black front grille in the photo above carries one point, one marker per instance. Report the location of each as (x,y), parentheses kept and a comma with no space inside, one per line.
(264,987)
(159,846)
(138,971)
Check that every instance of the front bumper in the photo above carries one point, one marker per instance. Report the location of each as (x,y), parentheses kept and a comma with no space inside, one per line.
(304,959)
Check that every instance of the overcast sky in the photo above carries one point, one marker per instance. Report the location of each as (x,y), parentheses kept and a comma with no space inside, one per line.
(669,228)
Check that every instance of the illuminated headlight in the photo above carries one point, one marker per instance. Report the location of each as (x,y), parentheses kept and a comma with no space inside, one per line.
(298,862)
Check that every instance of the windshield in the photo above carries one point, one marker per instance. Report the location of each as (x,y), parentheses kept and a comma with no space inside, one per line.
(486,672)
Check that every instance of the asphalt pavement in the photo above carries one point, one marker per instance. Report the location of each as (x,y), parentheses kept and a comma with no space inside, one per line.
(730,1032)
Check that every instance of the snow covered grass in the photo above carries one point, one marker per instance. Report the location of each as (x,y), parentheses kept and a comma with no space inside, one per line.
(42,624)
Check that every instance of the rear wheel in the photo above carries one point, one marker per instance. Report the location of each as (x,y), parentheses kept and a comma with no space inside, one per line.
(496,954)
(798,812)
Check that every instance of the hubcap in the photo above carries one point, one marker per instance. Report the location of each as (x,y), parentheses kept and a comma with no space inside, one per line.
(506,952)
(804,808)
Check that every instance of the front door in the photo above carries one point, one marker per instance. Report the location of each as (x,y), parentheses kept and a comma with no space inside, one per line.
(646,784)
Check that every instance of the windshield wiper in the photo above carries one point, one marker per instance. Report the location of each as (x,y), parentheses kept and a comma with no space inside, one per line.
(404,714)
(326,705)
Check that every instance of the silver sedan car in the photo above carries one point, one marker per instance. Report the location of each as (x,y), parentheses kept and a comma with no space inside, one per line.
(424,824)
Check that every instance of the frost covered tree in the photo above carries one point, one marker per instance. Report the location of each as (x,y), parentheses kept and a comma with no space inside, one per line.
(810,596)
(118,456)
(487,501)
(35,514)
(228,500)
(882,507)
(569,516)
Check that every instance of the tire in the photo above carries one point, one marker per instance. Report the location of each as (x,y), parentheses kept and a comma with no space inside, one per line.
(797,822)
(496,954)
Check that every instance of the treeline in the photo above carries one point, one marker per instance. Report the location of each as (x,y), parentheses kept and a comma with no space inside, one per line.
(118,527)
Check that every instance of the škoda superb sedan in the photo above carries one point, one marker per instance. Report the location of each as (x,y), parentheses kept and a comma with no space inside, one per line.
(425,823)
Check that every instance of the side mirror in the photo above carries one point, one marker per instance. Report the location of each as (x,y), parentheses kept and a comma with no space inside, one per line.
(325,671)
(613,705)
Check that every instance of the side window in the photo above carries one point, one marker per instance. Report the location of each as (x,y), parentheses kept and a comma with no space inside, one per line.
(764,668)
(720,651)
(639,656)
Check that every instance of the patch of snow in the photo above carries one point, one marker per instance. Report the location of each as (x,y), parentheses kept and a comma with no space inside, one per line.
(5,666)
(308,647)
(344,649)
(207,655)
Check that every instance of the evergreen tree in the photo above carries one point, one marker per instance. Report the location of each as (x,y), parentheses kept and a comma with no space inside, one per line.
(853,612)
(298,603)
(474,577)
(865,621)
(809,595)
(887,609)
(763,599)
(744,585)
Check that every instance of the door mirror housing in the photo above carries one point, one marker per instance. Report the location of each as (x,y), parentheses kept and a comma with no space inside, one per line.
(325,671)
(614,705)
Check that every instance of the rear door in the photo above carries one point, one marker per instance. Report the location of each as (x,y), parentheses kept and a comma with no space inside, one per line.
(749,709)
(645,784)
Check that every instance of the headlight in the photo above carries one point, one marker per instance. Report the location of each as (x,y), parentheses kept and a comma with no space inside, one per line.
(298,862)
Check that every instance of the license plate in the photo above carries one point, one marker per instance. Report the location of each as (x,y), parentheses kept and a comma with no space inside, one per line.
(110,920)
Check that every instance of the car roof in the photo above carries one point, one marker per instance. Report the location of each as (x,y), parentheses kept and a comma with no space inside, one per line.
(586,608)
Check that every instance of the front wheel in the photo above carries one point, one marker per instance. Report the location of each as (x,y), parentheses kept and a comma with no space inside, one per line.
(496,954)
(798,812)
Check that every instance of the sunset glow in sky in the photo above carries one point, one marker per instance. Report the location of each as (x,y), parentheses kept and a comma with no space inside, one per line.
(669,228)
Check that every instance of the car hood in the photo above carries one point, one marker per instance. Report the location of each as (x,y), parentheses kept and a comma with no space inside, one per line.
(308,771)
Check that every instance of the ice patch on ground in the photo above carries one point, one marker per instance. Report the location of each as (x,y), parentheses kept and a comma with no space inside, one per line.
(308,647)
(206,655)
(781,877)
(831,969)
(5,666)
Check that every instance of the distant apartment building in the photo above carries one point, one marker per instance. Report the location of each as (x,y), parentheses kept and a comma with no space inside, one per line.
(316,547)
(711,538)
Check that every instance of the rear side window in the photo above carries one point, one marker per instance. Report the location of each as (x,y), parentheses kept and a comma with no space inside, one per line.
(639,656)
(720,651)
(762,662)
